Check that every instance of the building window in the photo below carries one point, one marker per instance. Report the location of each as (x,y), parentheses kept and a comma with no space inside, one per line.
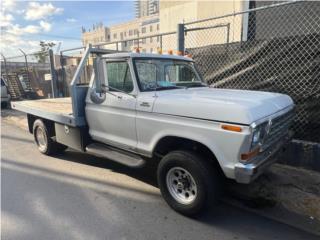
(158,38)
(151,50)
(130,32)
(121,36)
(158,27)
(150,28)
(115,36)
(108,37)
(135,32)
(125,34)
(151,39)
(143,30)
(143,40)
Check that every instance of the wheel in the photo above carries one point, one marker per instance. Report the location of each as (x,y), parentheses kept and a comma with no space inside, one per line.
(43,140)
(187,182)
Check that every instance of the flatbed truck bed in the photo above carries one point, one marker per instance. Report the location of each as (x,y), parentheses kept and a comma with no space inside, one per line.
(55,109)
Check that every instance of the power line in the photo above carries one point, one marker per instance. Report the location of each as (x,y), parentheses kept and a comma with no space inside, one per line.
(51,35)
(58,36)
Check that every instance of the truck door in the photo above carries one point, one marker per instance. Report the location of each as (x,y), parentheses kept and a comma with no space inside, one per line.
(113,120)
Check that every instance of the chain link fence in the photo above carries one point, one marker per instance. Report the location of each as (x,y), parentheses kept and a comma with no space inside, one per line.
(144,44)
(27,76)
(272,48)
(66,63)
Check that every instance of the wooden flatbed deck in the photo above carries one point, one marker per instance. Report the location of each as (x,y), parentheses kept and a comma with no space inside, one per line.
(55,109)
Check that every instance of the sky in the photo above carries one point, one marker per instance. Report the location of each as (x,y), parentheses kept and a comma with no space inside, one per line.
(25,23)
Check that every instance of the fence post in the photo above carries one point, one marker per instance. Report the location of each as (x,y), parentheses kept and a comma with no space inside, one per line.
(180,37)
(53,75)
(5,67)
(27,68)
(63,76)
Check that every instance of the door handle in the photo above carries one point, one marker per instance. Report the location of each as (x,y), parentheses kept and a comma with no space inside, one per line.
(144,104)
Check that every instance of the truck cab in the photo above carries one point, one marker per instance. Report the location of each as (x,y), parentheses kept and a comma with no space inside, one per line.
(151,107)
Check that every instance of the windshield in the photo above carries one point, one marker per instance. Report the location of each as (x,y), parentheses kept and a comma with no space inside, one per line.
(163,74)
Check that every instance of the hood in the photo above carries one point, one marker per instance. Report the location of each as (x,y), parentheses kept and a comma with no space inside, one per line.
(226,105)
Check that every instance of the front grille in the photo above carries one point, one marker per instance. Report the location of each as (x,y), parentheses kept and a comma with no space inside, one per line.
(279,128)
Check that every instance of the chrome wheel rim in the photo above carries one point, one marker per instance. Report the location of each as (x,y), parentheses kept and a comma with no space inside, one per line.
(181,185)
(41,138)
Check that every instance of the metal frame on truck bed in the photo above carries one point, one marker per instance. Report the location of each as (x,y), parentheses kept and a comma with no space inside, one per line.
(69,111)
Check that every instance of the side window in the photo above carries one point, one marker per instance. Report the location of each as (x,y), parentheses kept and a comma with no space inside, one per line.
(147,73)
(119,76)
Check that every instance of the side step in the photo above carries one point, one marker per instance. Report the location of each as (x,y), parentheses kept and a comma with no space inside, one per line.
(126,158)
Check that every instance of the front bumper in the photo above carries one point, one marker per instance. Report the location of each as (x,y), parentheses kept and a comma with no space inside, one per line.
(246,173)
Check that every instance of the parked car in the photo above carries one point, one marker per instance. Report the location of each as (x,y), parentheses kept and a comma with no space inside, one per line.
(5,96)
(151,107)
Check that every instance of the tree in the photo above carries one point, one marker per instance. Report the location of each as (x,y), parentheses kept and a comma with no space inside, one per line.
(44,52)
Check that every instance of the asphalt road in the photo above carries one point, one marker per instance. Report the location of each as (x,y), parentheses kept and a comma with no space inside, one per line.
(77,196)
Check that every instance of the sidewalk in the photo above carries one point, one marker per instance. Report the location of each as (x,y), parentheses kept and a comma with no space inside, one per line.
(287,194)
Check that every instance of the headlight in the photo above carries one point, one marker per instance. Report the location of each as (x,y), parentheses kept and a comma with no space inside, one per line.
(258,134)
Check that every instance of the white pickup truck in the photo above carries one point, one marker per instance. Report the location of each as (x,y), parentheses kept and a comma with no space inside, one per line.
(152,107)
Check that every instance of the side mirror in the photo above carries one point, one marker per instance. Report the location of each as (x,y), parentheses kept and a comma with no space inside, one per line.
(98,74)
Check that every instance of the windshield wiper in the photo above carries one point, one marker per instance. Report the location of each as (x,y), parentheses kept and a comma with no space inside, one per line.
(196,85)
(167,88)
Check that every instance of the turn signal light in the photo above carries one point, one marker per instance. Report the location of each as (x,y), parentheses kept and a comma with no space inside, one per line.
(247,156)
(137,50)
(231,128)
(179,53)
(170,52)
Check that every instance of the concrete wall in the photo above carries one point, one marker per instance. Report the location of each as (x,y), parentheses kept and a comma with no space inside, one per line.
(174,12)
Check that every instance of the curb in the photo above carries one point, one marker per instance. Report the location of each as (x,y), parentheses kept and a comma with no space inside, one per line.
(286,194)
(281,215)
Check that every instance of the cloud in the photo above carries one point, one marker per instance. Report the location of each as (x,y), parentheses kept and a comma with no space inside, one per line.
(71,20)
(5,19)
(8,5)
(23,35)
(29,29)
(37,11)
(45,26)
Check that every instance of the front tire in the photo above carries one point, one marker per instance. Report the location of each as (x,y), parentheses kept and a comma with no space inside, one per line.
(187,182)
(43,140)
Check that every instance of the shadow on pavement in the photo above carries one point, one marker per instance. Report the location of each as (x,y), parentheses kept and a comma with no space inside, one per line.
(51,207)
(146,174)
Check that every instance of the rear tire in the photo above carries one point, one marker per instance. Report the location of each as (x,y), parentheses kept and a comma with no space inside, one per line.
(187,182)
(43,140)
